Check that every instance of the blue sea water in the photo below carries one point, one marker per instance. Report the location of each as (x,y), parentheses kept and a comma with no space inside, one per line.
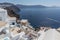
(49,17)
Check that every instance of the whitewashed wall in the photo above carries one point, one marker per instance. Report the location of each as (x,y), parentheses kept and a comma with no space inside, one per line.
(52,34)
(3,14)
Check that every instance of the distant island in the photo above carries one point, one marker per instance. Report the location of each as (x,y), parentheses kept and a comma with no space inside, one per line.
(30,6)
(4,4)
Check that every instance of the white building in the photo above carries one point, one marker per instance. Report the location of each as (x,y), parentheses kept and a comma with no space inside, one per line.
(6,21)
(3,14)
(51,34)
(4,17)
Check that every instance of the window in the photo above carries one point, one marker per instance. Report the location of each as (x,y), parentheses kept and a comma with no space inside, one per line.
(13,23)
(0,18)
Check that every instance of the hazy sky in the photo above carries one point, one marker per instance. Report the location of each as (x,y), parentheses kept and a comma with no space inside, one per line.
(34,2)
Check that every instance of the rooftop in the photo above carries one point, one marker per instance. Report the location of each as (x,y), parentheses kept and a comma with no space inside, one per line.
(2,23)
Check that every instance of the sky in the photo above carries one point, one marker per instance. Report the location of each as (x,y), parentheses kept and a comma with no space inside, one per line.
(34,2)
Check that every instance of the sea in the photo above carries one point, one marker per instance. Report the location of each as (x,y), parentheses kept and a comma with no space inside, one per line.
(41,17)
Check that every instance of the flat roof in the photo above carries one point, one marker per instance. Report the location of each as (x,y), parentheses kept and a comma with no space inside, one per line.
(2,23)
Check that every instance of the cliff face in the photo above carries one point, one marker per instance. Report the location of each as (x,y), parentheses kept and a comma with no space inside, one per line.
(11,9)
(11,13)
